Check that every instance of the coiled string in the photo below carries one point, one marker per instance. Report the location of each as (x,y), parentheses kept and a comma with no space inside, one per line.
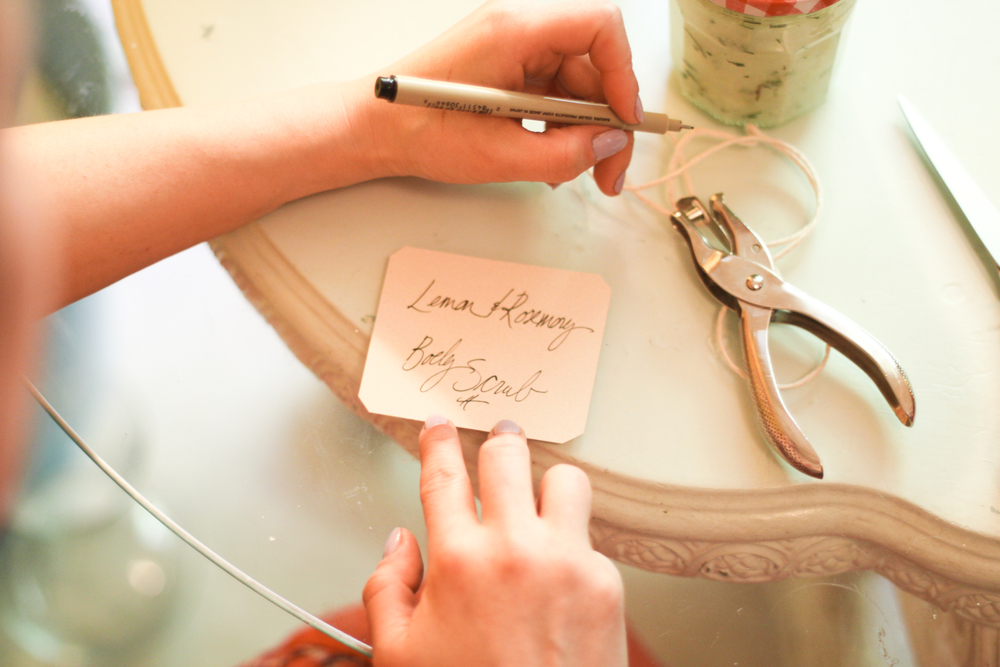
(679,168)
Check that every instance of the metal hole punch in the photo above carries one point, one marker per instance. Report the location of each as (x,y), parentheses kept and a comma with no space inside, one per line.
(744,278)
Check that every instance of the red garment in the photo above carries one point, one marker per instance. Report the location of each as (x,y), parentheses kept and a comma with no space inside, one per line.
(311,648)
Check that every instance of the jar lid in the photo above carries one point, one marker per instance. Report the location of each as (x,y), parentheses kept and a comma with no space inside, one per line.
(774,7)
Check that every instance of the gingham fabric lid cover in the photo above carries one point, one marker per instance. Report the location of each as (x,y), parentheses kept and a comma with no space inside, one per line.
(774,7)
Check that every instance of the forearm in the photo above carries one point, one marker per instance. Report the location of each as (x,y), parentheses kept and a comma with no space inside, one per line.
(124,192)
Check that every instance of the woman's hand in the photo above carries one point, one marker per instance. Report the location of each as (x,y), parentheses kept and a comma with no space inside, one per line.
(521,587)
(127,190)
(574,49)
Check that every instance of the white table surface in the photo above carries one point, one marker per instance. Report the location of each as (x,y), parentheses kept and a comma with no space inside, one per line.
(238,425)
(889,253)
(254,456)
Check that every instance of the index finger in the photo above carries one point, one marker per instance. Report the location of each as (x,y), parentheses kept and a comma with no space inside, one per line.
(598,30)
(445,490)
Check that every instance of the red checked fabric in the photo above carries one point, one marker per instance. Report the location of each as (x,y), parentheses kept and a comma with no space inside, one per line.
(774,7)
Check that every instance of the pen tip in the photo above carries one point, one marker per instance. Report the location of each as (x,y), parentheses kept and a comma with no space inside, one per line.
(687,127)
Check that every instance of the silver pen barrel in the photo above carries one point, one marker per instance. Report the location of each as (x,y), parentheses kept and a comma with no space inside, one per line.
(449,96)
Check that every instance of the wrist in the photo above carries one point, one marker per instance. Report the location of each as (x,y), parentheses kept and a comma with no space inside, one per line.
(328,136)
(372,132)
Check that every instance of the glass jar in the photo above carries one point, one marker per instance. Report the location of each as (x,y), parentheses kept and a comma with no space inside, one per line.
(761,69)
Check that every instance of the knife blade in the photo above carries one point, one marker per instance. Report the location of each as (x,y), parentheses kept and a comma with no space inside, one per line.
(982,215)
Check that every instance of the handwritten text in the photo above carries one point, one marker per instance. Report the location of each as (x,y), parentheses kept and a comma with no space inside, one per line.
(511,309)
(468,378)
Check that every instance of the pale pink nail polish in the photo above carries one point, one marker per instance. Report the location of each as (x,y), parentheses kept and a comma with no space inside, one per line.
(435,420)
(619,184)
(608,143)
(391,544)
(506,426)
(638,109)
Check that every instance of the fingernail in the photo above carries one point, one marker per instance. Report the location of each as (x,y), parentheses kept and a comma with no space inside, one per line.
(506,426)
(391,544)
(608,143)
(435,420)
(619,184)
(638,109)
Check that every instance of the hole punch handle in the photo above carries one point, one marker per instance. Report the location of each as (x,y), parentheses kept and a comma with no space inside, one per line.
(775,421)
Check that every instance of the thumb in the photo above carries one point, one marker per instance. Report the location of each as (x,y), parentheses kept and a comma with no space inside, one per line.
(564,152)
(390,594)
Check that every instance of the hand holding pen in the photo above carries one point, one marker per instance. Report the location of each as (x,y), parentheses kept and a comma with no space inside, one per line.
(569,50)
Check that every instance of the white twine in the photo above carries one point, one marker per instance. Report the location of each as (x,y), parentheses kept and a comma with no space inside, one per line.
(679,167)
(230,569)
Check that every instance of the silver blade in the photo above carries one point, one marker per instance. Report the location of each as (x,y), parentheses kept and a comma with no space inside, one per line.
(978,209)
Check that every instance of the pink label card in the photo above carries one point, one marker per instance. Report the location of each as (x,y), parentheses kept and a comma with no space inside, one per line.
(479,340)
